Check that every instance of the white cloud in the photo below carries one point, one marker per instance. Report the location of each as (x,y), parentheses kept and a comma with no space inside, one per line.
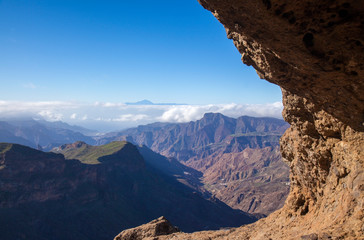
(101,119)
(184,113)
(51,116)
(130,118)
(187,113)
(73,116)
(109,104)
(16,108)
(29,86)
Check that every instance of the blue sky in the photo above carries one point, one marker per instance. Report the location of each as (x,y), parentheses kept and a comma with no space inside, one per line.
(122,51)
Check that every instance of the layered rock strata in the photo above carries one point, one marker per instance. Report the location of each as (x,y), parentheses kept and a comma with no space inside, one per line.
(314,50)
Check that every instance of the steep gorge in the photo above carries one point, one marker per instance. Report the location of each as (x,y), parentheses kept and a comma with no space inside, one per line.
(314,50)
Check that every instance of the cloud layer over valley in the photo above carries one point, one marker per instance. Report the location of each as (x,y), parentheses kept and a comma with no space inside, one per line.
(105,116)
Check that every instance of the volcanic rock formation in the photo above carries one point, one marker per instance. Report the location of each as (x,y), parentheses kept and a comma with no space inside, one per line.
(314,50)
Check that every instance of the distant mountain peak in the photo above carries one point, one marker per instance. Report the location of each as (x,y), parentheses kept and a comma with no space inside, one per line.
(147,102)
(212,114)
(142,102)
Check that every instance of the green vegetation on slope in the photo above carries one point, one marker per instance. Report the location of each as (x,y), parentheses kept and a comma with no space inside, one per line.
(90,154)
(4,147)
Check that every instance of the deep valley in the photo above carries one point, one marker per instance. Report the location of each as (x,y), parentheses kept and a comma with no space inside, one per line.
(213,173)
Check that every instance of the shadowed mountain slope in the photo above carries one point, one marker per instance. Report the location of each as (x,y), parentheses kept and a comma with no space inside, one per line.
(45,196)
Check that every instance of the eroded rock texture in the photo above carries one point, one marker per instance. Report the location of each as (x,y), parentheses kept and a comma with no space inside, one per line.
(311,48)
(151,230)
(314,50)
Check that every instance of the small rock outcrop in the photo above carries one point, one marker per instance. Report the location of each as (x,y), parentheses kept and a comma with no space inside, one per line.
(158,227)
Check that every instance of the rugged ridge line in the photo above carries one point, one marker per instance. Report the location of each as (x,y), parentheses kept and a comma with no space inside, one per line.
(238,157)
(314,50)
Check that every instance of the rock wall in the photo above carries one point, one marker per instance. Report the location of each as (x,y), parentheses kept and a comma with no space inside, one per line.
(314,50)
(310,48)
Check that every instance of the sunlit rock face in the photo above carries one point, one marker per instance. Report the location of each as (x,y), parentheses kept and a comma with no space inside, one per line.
(314,50)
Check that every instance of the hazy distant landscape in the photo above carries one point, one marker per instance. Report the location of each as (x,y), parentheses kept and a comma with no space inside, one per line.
(111,116)
(110,184)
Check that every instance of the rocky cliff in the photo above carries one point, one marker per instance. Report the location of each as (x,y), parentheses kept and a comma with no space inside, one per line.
(314,50)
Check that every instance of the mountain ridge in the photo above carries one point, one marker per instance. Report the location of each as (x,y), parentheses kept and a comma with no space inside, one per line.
(213,127)
(44,195)
(41,134)
(206,143)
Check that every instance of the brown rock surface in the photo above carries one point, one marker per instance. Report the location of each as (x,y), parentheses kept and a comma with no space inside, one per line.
(311,48)
(158,227)
(253,180)
(314,50)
